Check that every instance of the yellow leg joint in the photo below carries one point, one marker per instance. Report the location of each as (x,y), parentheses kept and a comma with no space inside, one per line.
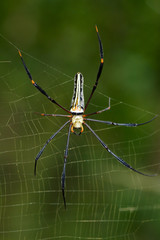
(19,53)
(72,129)
(82,129)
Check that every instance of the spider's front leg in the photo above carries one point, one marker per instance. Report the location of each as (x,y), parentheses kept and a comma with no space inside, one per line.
(113,154)
(41,151)
(64,167)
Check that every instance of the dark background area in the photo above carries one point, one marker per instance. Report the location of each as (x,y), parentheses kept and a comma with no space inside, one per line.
(104,199)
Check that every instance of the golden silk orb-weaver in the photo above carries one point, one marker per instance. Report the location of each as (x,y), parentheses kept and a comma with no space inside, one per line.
(77,116)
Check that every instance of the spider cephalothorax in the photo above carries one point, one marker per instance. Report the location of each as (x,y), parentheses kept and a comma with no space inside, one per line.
(77,122)
(77,116)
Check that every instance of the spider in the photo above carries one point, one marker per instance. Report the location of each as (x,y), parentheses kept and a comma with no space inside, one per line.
(77,117)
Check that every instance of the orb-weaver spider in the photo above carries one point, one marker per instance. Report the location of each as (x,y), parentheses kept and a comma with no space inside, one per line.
(77,116)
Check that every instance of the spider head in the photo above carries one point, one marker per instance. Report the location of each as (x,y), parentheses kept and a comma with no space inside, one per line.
(77,122)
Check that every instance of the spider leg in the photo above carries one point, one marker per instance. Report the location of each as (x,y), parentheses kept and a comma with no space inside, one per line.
(118,158)
(120,124)
(38,87)
(99,70)
(103,110)
(41,151)
(52,115)
(64,167)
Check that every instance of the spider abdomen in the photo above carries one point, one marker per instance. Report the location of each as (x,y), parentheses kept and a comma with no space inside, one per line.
(77,103)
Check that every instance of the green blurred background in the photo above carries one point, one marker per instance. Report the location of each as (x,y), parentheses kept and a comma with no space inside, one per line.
(58,39)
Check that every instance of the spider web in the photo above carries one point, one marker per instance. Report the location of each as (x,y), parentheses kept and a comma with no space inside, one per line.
(105,200)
